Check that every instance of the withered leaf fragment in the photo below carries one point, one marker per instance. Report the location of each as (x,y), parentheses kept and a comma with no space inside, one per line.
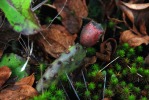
(19,91)
(107,49)
(27,80)
(138,14)
(132,39)
(5,73)
(72,13)
(57,40)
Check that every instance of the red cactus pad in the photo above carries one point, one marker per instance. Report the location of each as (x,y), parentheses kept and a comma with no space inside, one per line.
(91,33)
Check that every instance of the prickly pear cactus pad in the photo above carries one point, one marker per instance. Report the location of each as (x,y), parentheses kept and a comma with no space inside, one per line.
(14,62)
(65,63)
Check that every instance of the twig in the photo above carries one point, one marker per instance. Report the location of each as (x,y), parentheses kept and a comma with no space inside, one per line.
(85,82)
(137,73)
(109,63)
(72,86)
(104,87)
(39,5)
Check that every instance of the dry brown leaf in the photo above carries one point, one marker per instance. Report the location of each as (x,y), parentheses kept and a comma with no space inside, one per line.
(89,60)
(21,90)
(138,14)
(18,92)
(26,81)
(107,49)
(132,39)
(5,73)
(147,60)
(58,40)
(72,13)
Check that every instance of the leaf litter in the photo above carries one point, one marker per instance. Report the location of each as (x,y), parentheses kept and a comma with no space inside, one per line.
(56,38)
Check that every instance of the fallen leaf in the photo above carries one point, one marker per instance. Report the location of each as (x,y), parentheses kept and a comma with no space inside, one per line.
(20,16)
(5,37)
(5,73)
(58,40)
(21,90)
(138,14)
(147,60)
(27,80)
(18,92)
(107,49)
(132,39)
(88,61)
(72,13)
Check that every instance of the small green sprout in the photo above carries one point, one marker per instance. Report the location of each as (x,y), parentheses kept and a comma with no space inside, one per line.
(131,52)
(91,51)
(43,96)
(120,53)
(123,83)
(126,91)
(95,67)
(110,71)
(109,93)
(114,80)
(91,86)
(137,90)
(87,93)
(59,93)
(118,67)
(139,60)
(125,46)
(144,98)
(52,87)
(95,97)
(132,97)
(79,85)
(131,85)
(133,70)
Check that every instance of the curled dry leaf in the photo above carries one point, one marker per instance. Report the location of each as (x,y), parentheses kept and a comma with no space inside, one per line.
(138,14)
(72,13)
(132,39)
(21,90)
(57,40)
(18,92)
(5,73)
(107,49)
(89,60)
(27,80)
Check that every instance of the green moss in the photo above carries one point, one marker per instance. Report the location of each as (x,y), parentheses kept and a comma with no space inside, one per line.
(133,70)
(125,46)
(139,60)
(126,91)
(120,53)
(91,86)
(118,67)
(132,97)
(144,98)
(87,93)
(79,85)
(109,93)
(91,51)
(59,93)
